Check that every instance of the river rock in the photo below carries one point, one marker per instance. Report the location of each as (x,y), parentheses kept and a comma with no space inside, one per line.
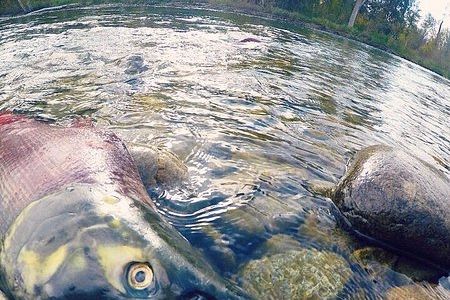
(302,273)
(377,262)
(418,292)
(326,234)
(395,198)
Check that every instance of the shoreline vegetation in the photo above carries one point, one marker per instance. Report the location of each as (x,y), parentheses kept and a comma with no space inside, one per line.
(424,44)
(391,25)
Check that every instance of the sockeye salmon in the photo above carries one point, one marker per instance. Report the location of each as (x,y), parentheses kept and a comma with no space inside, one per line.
(76,222)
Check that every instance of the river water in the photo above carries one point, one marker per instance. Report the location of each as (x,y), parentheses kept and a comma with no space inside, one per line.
(260,125)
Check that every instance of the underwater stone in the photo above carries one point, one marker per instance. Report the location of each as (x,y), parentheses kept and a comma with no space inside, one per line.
(220,246)
(321,187)
(378,268)
(295,274)
(365,256)
(245,219)
(158,166)
(279,243)
(417,271)
(418,292)
(327,234)
(374,258)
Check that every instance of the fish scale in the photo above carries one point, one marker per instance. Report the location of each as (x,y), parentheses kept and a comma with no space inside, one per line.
(37,159)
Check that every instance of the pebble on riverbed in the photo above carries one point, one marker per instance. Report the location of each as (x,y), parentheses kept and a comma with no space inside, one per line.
(295,274)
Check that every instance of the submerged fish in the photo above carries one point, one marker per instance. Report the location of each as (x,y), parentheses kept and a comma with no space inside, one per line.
(76,222)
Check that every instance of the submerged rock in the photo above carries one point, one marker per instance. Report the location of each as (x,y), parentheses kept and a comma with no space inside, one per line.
(135,64)
(418,292)
(395,198)
(321,187)
(365,256)
(378,262)
(297,273)
(158,166)
(221,247)
(250,40)
(322,232)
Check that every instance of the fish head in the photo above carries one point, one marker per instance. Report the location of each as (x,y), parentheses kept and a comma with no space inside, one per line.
(83,243)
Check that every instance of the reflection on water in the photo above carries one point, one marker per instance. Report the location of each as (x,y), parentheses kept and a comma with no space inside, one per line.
(257,124)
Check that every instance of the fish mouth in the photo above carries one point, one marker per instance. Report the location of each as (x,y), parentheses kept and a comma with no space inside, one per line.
(80,244)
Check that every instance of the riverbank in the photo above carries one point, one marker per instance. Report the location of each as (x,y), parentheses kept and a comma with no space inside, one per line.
(379,41)
(16,7)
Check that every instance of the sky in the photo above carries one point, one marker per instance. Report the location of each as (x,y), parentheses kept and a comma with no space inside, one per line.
(440,9)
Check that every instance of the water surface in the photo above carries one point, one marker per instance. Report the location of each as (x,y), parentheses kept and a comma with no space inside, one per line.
(257,124)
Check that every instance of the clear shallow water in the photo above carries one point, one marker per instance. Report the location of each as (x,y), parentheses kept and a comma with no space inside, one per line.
(257,124)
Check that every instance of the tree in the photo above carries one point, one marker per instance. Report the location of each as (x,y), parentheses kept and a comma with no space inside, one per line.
(412,16)
(438,35)
(24,5)
(429,25)
(355,12)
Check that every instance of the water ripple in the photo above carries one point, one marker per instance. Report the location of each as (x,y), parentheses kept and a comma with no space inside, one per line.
(255,123)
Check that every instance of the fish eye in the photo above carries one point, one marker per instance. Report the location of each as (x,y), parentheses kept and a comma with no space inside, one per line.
(139,276)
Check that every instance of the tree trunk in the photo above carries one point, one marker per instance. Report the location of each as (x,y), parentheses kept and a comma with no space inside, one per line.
(22,6)
(438,35)
(25,7)
(355,12)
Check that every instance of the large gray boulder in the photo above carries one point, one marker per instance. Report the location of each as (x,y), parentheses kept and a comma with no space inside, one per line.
(395,198)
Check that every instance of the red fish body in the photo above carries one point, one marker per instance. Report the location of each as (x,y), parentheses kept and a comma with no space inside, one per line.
(37,159)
